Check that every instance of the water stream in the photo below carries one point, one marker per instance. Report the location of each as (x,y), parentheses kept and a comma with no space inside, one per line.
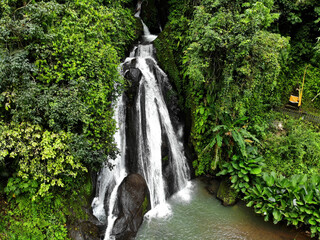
(153,118)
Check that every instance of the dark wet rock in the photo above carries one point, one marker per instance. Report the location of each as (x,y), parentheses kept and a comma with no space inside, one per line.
(226,194)
(131,139)
(133,202)
(133,75)
(163,11)
(149,15)
(213,186)
(166,160)
(84,231)
(81,223)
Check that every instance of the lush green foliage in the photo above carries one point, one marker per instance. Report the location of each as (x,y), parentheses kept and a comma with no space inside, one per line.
(58,77)
(238,60)
(231,62)
(232,137)
(59,67)
(293,78)
(231,65)
(28,219)
(58,72)
(235,63)
(42,218)
(293,150)
(242,170)
(300,21)
(295,199)
(43,156)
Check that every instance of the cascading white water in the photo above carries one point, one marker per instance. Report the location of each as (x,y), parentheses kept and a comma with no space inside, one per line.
(152,118)
(156,113)
(109,180)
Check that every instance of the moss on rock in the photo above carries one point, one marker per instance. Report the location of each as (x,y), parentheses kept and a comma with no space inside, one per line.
(80,222)
(138,28)
(145,205)
(226,194)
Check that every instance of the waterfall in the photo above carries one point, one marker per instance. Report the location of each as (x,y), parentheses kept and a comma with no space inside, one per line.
(150,131)
(152,122)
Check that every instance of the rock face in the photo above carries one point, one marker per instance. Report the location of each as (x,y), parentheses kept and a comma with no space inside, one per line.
(226,194)
(83,231)
(133,75)
(133,202)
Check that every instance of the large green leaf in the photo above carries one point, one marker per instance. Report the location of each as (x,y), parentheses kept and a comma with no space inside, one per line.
(237,137)
(269,179)
(255,171)
(276,215)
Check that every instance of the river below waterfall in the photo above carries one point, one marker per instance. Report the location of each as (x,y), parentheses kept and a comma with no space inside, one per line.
(204,217)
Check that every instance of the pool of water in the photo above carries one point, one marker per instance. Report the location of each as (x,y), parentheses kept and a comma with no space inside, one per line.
(203,217)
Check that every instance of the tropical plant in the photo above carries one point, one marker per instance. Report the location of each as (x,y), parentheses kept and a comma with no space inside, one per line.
(234,137)
(295,199)
(243,170)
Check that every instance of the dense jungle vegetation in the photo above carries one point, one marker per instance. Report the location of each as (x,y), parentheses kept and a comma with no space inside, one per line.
(231,62)
(58,71)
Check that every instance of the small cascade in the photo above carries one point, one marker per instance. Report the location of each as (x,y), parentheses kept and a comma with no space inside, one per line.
(148,120)
(147,36)
(110,179)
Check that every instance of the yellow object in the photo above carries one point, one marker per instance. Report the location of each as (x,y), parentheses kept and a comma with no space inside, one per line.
(301,91)
(294,99)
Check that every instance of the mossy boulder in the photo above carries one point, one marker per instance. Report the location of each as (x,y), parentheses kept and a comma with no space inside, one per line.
(213,186)
(131,205)
(226,194)
(85,230)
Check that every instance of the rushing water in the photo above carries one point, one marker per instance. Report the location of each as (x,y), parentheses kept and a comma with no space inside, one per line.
(109,180)
(205,218)
(152,121)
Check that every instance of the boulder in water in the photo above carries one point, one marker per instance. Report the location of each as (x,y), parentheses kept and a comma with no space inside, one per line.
(132,203)
(226,194)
